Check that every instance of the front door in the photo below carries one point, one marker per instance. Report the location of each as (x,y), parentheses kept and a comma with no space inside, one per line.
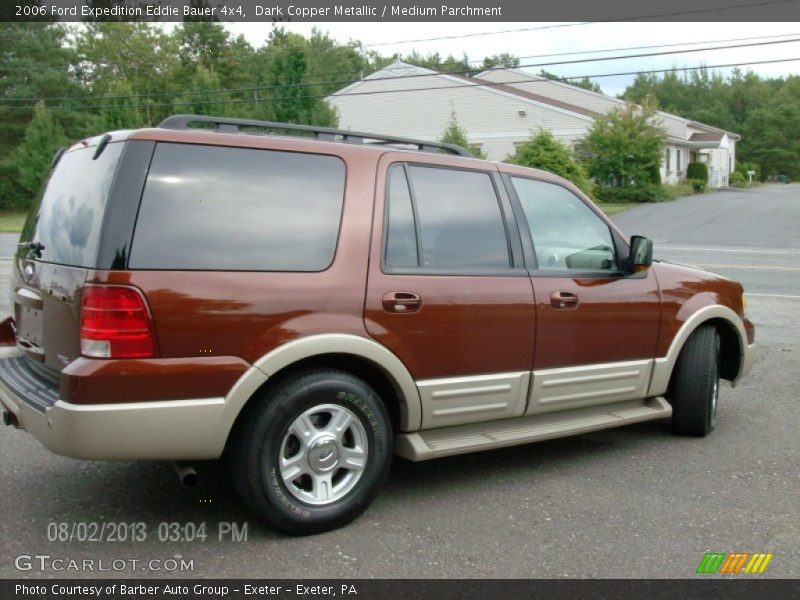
(597,326)
(448,292)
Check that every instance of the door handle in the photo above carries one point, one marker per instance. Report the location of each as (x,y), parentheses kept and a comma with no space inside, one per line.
(401,302)
(564,300)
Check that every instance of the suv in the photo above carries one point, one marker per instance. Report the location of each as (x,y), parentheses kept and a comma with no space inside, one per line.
(310,306)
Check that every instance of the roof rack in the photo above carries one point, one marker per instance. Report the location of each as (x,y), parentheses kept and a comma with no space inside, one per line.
(225,125)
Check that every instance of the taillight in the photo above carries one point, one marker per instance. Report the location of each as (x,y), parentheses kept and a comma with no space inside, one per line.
(115,323)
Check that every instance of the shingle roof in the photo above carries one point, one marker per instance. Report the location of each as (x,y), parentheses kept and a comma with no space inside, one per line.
(525,94)
(706,137)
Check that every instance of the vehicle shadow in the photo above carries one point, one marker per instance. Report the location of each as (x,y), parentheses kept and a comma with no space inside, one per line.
(150,491)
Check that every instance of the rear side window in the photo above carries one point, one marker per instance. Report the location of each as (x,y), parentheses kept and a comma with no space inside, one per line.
(452,215)
(238,209)
(67,219)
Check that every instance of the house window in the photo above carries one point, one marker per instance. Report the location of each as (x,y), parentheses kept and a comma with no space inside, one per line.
(678,161)
(667,164)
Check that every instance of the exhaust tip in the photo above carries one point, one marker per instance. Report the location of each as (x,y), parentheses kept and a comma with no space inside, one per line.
(10,419)
(186,474)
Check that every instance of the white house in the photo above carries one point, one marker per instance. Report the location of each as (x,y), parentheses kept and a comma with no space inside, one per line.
(410,101)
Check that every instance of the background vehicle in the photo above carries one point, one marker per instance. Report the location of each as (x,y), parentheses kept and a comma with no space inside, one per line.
(316,305)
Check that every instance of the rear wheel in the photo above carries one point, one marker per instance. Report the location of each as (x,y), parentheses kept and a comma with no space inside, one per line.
(311,454)
(695,389)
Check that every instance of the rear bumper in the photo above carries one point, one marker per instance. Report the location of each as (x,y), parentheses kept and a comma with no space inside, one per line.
(190,429)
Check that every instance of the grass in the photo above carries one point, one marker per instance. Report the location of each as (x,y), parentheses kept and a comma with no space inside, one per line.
(12,221)
(615,207)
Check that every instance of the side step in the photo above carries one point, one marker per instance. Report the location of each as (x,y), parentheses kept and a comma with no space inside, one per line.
(446,441)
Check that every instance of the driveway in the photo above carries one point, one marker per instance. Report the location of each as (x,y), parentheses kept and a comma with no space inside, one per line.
(628,502)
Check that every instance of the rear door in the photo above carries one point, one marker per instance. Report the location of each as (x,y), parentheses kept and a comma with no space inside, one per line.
(448,292)
(597,326)
(58,245)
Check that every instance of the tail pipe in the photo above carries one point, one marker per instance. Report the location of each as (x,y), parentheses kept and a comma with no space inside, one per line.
(186,474)
(10,419)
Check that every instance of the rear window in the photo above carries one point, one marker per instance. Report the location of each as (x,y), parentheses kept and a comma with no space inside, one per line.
(67,217)
(219,208)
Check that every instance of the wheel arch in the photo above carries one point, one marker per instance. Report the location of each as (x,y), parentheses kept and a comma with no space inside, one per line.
(733,345)
(362,357)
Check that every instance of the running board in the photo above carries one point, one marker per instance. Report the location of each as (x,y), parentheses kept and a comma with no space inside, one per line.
(460,439)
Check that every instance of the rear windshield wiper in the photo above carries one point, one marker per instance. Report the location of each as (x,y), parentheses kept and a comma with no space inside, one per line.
(33,248)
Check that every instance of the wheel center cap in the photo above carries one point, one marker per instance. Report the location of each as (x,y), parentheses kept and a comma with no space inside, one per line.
(323,455)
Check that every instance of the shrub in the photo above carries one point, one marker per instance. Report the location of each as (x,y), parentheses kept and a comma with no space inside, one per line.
(698,185)
(543,151)
(743,167)
(697,171)
(737,179)
(654,172)
(643,193)
(673,191)
(625,145)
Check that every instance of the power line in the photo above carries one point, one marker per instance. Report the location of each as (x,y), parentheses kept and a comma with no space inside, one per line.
(477,84)
(479,34)
(564,25)
(389,78)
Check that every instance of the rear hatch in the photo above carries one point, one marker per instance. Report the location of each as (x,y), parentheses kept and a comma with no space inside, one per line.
(57,248)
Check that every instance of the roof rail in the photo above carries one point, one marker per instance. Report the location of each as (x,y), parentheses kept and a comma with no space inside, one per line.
(225,125)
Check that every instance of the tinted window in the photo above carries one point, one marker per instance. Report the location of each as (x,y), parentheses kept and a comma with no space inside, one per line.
(214,208)
(460,223)
(566,233)
(401,237)
(68,217)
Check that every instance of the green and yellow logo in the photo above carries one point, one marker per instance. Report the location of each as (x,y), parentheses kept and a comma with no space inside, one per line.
(734,563)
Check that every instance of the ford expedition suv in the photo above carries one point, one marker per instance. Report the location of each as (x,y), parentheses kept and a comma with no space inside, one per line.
(310,306)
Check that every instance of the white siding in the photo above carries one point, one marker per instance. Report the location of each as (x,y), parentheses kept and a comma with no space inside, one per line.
(418,103)
(489,117)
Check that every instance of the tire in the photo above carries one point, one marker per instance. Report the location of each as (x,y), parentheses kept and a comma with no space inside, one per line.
(311,454)
(695,390)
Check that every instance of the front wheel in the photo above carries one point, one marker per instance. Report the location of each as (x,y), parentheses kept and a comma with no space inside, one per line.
(311,455)
(695,390)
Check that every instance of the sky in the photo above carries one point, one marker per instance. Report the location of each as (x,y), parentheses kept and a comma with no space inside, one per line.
(386,38)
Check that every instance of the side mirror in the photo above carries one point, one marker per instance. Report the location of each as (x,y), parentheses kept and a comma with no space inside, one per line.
(641,256)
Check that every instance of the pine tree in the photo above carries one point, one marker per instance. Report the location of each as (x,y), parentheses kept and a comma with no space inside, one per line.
(43,137)
(455,134)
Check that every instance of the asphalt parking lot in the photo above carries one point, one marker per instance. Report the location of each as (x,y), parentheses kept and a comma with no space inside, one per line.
(628,502)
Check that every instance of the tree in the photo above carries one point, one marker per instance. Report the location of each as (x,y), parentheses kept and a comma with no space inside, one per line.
(204,95)
(544,151)
(454,134)
(137,53)
(43,137)
(504,60)
(764,111)
(36,63)
(120,109)
(287,70)
(626,145)
(585,83)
